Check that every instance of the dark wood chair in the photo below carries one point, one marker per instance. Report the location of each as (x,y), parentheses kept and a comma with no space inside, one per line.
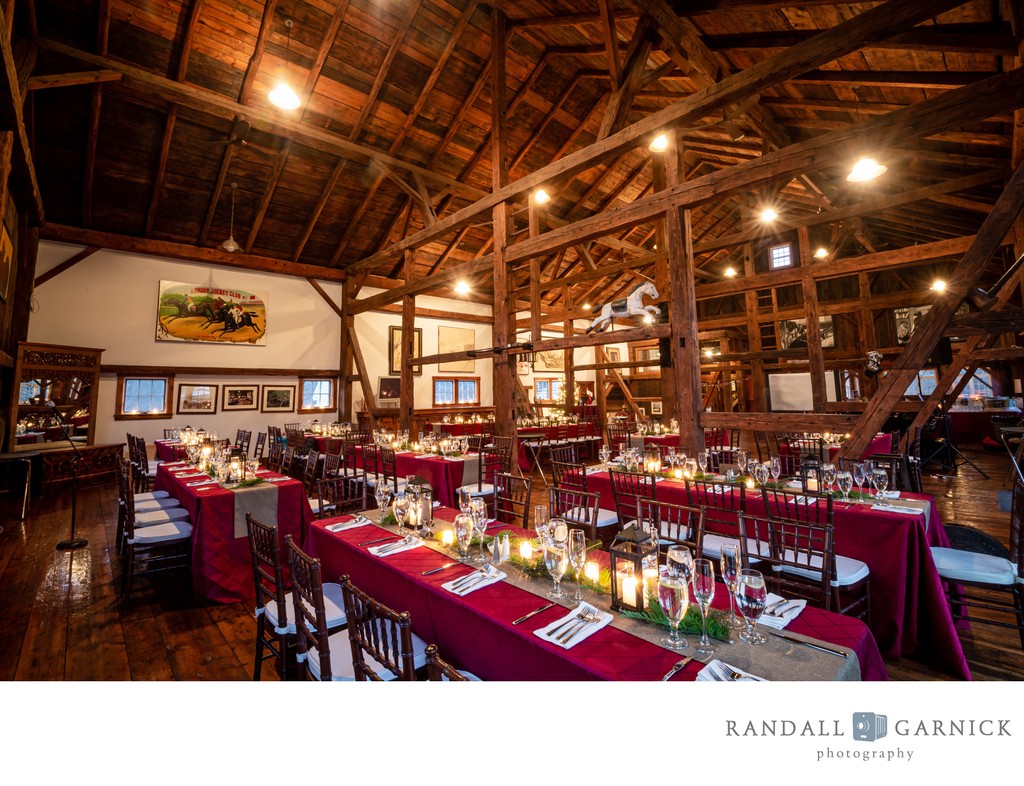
(261,446)
(151,507)
(492,462)
(512,499)
(723,505)
(309,472)
(618,436)
(583,509)
(627,488)
(288,459)
(440,670)
(242,439)
(338,495)
(383,646)
(332,465)
(798,505)
(674,525)
(275,459)
(568,475)
(388,472)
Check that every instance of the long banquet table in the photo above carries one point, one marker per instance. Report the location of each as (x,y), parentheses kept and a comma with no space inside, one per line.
(476,632)
(444,474)
(909,610)
(221,562)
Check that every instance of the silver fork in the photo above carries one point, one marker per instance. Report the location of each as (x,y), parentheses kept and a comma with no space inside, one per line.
(730,672)
(392,546)
(579,615)
(592,616)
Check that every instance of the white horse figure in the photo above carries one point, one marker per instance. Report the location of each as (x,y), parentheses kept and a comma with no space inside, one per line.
(631,306)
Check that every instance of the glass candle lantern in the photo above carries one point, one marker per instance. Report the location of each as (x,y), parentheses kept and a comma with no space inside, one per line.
(652,459)
(632,549)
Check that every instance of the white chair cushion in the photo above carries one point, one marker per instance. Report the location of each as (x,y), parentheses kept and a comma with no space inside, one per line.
(334,608)
(342,669)
(848,571)
(485,490)
(605,518)
(160,517)
(156,505)
(162,533)
(958,565)
(149,496)
(712,545)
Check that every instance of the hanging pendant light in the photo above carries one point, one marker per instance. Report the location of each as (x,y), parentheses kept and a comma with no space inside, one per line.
(282,96)
(230,245)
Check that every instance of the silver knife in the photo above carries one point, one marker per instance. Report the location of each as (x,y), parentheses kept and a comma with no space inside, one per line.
(457,584)
(533,613)
(378,540)
(671,672)
(438,570)
(810,644)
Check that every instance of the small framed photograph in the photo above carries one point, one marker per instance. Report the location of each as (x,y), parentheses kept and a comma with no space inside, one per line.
(197,399)
(278,398)
(655,407)
(238,397)
(523,367)
(395,349)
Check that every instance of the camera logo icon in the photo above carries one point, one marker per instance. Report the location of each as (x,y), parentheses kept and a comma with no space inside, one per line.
(868,727)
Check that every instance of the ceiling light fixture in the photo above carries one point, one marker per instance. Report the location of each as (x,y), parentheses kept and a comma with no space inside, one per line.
(586,306)
(230,245)
(768,215)
(821,253)
(730,272)
(938,285)
(541,197)
(462,288)
(865,169)
(659,144)
(648,319)
(282,96)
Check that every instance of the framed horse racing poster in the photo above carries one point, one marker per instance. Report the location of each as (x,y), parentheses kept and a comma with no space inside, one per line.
(189,312)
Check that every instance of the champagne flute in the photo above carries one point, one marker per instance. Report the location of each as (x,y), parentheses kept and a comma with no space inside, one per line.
(401,509)
(675,600)
(463,526)
(478,509)
(828,474)
(465,500)
(540,520)
(702,460)
(680,562)
(751,597)
(859,473)
(704,592)
(730,566)
(845,480)
(382,495)
(578,558)
(556,560)
(776,468)
(741,461)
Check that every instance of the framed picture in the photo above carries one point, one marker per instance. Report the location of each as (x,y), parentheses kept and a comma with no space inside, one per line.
(193,312)
(6,262)
(395,349)
(655,407)
(237,397)
(793,333)
(551,360)
(907,320)
(523,367)
(389,389)
(278,398)
(453,339)
(197,399)
(646,354)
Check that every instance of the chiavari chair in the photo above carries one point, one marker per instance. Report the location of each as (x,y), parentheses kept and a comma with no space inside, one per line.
(673,524)
(440,670)
(627,488)
(512,499)
(583,509)
(383,646)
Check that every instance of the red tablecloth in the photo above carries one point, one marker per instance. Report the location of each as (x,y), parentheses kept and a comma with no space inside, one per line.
(457,429)
(476,631)
(221,563)
(444,475)
(909,611)
(529,437)
(972,426)
(29,438)
(168,449)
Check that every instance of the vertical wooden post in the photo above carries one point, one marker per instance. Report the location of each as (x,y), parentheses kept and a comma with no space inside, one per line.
(866,331)
(600,397)
(758,401)
(661,281)
(504,367)
(682,310)
(345,356)
(534,215)
(570,375)
(406,383)
(814,351)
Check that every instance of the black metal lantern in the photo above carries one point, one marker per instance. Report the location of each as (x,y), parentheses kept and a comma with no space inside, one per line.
(810,474)
(632,550)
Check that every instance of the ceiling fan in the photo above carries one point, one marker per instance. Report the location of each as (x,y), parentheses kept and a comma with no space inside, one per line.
(239,138)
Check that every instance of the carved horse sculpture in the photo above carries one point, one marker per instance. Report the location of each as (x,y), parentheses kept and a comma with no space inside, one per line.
(631,306)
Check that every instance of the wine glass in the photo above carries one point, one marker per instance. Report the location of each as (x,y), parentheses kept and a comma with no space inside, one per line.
(751,597)
(741,461)
(859,474)
(578,558)
(828,475)
(465,499)
(680,562)
(478,509)
(690,467)
(704,592)
(540,520)
(675,600)
(702,460)
(401,507)
(761,472)
(880,480)
(845,480)
(776,468)
(463,526)
(382,494)
(604,454)
(730,565)
(556,560)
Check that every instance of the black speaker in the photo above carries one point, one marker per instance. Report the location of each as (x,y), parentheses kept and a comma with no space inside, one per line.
(664,344)
(942,355)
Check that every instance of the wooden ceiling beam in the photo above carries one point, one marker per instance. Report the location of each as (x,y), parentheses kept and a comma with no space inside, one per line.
(164,248)
(69,80)
(630,78)
(268,195)
(934,80)
(569,20)
(890,18)
(611,39)
(161,168)
(967,38)
(330,37)
(325,195)
(249,78)
(218,186)
(67,264)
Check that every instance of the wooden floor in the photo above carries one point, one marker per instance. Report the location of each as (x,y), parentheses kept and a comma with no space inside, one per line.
(63,621)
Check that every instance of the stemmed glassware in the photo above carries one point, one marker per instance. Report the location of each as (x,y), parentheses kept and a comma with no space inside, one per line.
(556,560)
(761,472)
(859,474)
(680,562)
(690,467)
(776,468)
(741,461)
(540,520)
(845,480)
(604,454)
(702,460)
(478,510)
(401,508)
(828,475)
(675,600)
(751,597)
(704,592)
(463,526)
(382,495)
(880,480)
(578,558)
(465,500)
(730,566)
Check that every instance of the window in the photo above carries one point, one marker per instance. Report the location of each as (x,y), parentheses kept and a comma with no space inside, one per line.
(140,398)
(317,394)
(980,384)
(780,256)
(924,384)
(547,391)
(456,391)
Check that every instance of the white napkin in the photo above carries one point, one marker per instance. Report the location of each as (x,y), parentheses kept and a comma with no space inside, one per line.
(274,478)
(718,671)
(794,484)
(718,489)
(891,508)
(411,542)
(201,483)
(790,610)
(802,500)
(170,464)
(491,575)
(586,632)
(454,458)
(184,475)
(341,526)
(894,494)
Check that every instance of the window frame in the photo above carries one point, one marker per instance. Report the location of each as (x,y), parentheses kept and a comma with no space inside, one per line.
(771,259)
(551,387)
(299,395)
(166,414)
(455,384)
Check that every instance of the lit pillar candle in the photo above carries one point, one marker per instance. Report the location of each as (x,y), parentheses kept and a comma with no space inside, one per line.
(526,549)
(750,483)
(626,583)
(447,537)
(651,578)
(592,572)
(678,473)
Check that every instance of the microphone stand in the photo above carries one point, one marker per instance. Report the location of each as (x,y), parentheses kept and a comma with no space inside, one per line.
(72,543)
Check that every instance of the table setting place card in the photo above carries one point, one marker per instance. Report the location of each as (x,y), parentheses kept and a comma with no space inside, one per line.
(579,624)
(407,543)
(779,612)
(341,526)
(720,671)
(471,582)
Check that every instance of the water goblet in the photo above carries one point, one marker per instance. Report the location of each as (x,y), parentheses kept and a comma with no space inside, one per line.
(690,467)
(845,481)
(741,461)
(556,560)
(680,562)
(730,560)
(674,600)
(880,480)
(382,495)
(578,558)
(604,454)
(463,526)
(761,472)
(704,592)
(751,597)
(465,500)
(401,507)
(828,475)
